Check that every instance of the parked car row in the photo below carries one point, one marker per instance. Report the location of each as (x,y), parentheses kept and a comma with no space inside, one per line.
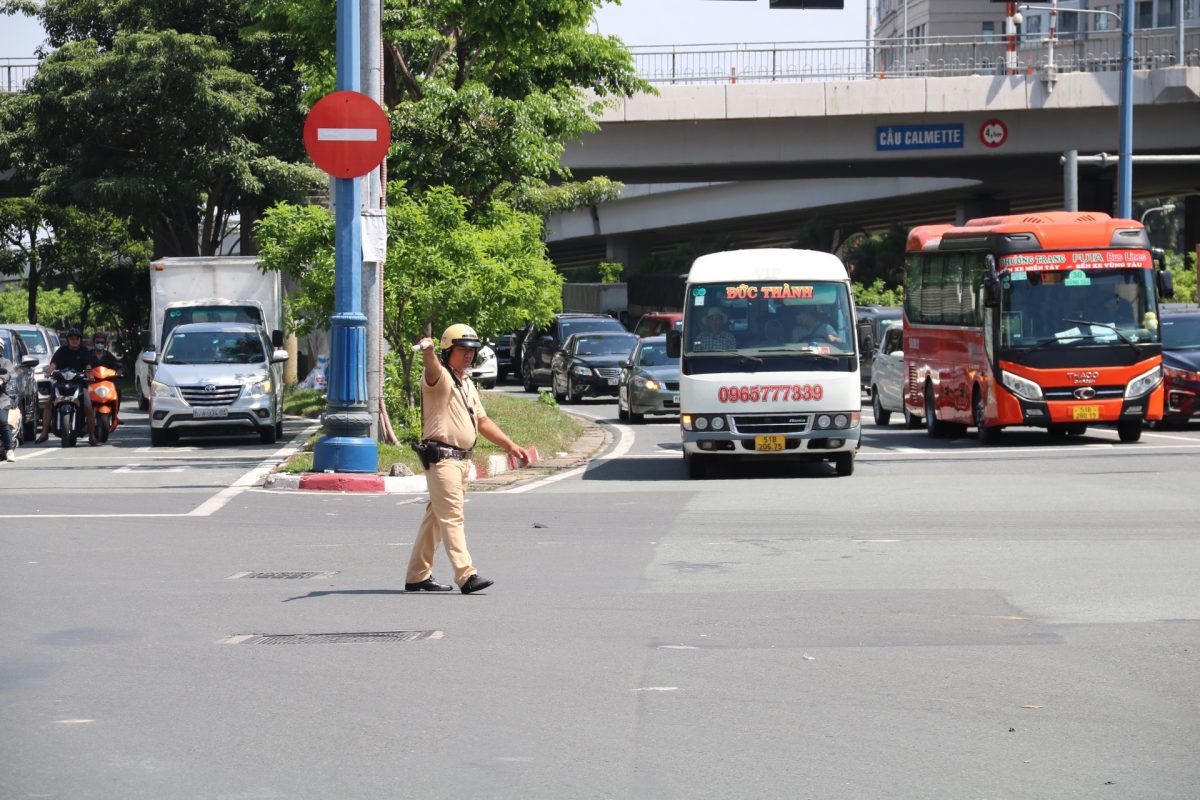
(21,382)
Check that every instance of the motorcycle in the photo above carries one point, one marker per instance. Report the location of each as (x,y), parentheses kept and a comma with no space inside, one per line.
(104,401)
(69,420)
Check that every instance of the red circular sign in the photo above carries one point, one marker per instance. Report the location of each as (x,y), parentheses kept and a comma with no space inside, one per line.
(993,133)
(347,134)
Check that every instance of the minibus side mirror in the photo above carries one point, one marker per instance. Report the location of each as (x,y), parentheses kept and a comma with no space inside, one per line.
(1166,284)
(674,344)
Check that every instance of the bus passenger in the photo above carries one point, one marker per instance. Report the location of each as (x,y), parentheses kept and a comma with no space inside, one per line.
(716,335)
(811,328)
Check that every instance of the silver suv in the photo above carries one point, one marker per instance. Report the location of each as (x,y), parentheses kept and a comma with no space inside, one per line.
(41,342)
(216,378)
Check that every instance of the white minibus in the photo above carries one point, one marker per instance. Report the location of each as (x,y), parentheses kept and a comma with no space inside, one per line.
(769,364)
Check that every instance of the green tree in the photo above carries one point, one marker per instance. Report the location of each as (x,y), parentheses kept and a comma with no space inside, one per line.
(491,271)
(482,95)
(56,308)
(160,111)
(22,226)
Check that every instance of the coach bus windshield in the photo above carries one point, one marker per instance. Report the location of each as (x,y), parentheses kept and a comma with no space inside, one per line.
(1077,308)
(768,319)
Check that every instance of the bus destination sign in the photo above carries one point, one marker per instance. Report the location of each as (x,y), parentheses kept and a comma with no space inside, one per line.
(1076,259)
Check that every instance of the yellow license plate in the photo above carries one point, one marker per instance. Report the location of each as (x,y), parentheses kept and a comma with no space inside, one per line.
(1085,412)
(769,443)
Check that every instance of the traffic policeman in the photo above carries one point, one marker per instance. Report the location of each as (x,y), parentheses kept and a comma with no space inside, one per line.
(452,416)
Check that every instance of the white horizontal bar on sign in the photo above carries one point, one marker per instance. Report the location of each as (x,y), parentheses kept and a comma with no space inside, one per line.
(347,134)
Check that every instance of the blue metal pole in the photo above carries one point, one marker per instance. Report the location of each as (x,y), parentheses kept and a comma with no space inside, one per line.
(1125,152)
(347,448)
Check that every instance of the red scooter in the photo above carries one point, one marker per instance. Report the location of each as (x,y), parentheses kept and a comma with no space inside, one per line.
(103,393)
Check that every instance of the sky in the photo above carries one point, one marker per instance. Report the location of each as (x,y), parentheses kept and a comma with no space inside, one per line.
(637,22)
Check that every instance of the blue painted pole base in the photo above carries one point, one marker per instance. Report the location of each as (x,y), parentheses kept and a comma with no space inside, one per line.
(345,454)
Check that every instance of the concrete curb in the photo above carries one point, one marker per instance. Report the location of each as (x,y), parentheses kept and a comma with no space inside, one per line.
(496,475)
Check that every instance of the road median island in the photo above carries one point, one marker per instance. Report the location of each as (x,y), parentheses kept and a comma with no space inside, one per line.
(562,440)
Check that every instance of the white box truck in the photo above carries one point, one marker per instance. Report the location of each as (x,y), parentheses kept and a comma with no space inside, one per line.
(207,289)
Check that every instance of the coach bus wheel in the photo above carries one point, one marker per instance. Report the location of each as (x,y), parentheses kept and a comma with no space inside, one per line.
(933,426)
(844,463)
(987,435)
(1129,431)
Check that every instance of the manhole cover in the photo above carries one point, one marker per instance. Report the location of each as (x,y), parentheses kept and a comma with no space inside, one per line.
(331,638)
(287,576)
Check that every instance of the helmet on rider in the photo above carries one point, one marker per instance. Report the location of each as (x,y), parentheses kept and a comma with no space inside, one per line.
(459,335)
(75,332)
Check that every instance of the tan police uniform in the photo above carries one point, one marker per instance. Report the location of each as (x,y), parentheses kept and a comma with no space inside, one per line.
(445,419)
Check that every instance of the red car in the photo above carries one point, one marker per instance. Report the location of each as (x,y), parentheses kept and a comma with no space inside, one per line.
(658,322)
(1181,366)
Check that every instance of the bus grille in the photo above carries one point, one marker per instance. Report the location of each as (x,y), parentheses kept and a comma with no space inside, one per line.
(206,396)
(1068,393)
(771,423)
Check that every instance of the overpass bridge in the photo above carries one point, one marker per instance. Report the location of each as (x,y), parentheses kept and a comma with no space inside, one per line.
(947,137)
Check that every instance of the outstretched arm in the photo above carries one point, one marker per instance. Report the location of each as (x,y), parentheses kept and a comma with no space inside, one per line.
(491,431)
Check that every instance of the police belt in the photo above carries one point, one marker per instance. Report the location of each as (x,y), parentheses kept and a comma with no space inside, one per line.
(445,450)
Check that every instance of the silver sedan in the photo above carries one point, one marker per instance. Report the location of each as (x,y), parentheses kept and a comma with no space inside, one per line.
(649,381)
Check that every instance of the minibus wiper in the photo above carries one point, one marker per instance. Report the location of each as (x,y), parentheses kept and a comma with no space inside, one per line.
(800,352)
(726,352)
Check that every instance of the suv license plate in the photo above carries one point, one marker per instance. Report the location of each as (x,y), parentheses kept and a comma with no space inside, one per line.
(210,412)
(769,443)
(1085,412)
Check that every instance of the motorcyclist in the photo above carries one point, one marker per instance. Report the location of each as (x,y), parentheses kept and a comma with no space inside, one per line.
(7,388)
(74,356)
(101,356)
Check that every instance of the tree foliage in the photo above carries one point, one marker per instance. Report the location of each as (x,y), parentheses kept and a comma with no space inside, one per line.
(56,308)
(482,95)
(442,267)
(159,111)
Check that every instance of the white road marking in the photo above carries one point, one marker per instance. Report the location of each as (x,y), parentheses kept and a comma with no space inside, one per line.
(1192,439)
(144,468)
(18,456)
(212,504)
(657,689)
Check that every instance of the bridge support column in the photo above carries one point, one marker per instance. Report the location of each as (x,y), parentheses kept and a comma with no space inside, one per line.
(1191,226)
(981,206)
(1096,194)
(631,250)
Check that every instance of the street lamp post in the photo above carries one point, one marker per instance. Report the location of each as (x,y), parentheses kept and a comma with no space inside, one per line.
(1166,209)
(1125,142)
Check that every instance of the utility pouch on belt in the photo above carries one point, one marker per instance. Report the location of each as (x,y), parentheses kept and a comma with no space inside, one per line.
(428,453)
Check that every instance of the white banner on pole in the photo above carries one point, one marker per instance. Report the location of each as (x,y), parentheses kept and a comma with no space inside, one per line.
(374,235)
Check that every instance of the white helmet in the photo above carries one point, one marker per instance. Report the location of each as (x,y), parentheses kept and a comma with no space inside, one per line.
(461,336)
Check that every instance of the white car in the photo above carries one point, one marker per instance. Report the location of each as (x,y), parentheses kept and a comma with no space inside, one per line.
(220,378)
(887,379)
(486,368)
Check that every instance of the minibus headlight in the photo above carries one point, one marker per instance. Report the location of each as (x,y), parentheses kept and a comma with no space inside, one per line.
(841,421)
(701,423)
(1020,386)
(824,421)
(718,423)
(1146,382)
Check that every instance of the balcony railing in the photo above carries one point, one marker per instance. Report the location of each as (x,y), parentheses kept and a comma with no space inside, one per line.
(947,56)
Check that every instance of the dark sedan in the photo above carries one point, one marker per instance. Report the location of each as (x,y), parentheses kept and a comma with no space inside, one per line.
(1181,366)
(649,381)
(21,383)
(589,365)
(504,356)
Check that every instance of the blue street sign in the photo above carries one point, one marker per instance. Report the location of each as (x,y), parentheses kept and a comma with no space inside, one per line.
(919,137)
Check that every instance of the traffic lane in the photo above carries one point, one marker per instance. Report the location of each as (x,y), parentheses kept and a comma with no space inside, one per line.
(128,476)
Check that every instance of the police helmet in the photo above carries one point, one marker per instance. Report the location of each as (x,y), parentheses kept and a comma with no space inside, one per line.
(460,335)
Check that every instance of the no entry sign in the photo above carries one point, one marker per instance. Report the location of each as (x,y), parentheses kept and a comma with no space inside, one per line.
(346,134)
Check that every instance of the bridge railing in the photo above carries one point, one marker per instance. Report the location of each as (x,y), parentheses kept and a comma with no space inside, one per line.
(14,72)
(944,56)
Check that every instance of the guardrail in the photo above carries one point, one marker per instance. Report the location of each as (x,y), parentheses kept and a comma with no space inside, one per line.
(931,57)
(946,56)
(15,72)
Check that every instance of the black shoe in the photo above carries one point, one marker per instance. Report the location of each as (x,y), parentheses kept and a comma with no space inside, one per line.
(41,438)
(427,585)
(474,584)
(92,441)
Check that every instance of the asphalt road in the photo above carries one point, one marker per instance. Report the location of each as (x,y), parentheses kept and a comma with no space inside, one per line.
(950,622)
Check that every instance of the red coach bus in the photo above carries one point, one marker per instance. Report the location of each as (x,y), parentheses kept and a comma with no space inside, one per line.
(1046,319)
